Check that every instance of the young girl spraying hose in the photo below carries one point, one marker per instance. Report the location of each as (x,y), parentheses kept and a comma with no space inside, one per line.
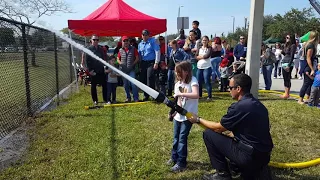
(187,91)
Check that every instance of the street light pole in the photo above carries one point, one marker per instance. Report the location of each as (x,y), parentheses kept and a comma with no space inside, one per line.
(233,24)
(179,14)
(245,24)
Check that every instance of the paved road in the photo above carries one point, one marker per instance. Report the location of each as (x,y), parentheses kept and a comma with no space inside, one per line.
(277,84)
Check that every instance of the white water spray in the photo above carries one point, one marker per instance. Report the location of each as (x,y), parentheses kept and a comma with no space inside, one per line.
(153,93)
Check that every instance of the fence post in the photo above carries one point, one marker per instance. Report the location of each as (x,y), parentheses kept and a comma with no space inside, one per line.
(26,70)
(56,65)
(70,55)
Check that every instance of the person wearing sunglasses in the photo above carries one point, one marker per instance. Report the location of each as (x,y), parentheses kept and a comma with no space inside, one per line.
(287,64)
(96,70)
(240,51)
(248,143)
(149,52)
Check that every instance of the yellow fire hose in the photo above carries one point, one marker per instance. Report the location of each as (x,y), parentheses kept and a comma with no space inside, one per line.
(114,105)
(297,165)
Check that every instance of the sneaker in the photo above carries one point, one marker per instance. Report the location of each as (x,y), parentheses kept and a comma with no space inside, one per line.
(209,98)
(127,100)
(114,102)
(234,170)
(176,168)
(275,77)
(137,100)
(300,78)
(108,103)
(170,162)
(95,103)
(217,176)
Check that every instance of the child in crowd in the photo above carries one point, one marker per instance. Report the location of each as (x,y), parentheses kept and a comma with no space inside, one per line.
(315,89)
(112,83)
(187,91)
(163,76)
(195,27)
(224,75)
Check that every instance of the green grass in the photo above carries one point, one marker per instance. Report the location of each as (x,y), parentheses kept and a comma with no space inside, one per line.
(42,84)
(134,142)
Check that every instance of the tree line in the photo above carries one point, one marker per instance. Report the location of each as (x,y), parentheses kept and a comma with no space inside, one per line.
(278,26)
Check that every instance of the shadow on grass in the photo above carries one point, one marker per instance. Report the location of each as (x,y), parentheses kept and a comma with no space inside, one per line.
(196,165)
(285,174)
(113,146)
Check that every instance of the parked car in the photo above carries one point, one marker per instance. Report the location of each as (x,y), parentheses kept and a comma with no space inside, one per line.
(110,51)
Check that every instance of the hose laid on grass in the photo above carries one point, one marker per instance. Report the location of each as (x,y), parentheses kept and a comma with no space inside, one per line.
(272,164)
(114,105)
(297,165)
(291,165)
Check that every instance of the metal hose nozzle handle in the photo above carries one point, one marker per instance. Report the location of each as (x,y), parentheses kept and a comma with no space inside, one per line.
(174,107)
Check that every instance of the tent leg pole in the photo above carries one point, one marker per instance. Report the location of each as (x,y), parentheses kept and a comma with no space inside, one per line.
(166,46)
(74,64)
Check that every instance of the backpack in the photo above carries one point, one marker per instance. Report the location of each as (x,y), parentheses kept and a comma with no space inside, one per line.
(269,57)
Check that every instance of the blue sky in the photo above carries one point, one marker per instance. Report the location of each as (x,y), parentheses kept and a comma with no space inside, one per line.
(212,19)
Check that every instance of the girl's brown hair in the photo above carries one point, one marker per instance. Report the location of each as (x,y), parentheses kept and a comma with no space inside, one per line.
(205,37)
(184,66)
(173,42)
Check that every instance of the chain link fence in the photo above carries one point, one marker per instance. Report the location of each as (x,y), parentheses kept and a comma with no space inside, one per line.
(35,66)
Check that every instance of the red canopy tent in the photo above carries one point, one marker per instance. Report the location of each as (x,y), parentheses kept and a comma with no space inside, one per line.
(116,18)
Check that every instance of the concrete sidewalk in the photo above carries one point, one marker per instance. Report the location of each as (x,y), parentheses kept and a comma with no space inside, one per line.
(277,84)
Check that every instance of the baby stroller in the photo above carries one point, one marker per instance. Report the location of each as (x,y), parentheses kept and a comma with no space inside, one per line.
(83,74)
(237,67)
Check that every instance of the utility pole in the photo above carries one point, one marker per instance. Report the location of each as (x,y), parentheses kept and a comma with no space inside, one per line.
(254,44)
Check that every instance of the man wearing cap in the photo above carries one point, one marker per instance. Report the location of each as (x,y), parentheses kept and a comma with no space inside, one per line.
(96,69)
(128,57)
(149,51)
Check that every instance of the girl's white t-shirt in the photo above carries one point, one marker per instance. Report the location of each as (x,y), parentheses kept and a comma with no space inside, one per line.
(191,105)
(203,63)
(278,54)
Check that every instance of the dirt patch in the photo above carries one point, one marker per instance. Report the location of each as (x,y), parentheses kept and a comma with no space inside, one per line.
(13,146)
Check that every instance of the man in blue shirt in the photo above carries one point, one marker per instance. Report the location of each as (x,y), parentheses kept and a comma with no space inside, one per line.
(149,52)
(240,51)
(242,135)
